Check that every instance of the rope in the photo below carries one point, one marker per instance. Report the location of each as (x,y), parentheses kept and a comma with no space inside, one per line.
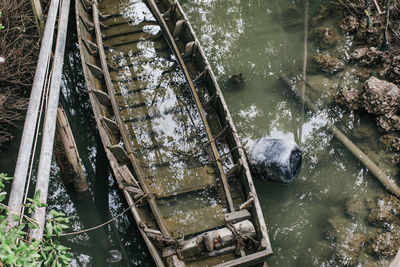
(98,226)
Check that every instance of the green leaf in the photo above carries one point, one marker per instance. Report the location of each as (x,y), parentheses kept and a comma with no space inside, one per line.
(49,230)
(3,196)
(15,217)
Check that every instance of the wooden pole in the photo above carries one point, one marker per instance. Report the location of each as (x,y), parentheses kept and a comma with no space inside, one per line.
(379,174)
(49,127)
(67,155)
(25,148)
(305,52)
(39,19)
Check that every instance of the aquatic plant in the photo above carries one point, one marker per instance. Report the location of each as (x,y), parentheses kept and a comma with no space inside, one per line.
(16,250)
(1,25)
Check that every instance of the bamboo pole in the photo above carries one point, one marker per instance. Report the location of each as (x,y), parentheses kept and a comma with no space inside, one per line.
(31,119)
(379,174)
(49,127)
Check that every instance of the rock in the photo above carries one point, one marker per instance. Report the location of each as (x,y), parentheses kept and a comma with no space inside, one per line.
(366,56)
(322,13)
(2,60)
(391,68)
(350,24)
(385,210)
(349,98)
(325,37)
(359,53)
(328,63)
(275,160)
(381,97)
(363,74)
(355,208)
(391,140)
(237,78)
(388,122)
(348,241)
(365,130)
(385,244)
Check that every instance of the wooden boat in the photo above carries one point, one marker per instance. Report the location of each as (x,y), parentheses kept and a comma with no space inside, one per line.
(168,134)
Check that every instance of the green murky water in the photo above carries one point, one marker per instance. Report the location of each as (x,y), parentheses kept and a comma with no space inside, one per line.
(262,40)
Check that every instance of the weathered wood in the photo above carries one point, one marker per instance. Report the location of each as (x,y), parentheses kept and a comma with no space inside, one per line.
(249,260)
(152,203)
(171,40)
(119,153)
(226,118)
(246,204)
(387,182)
(71,169)
(39,19)
(31,119)
(237,216)
(127,176)
(98,72)
(196,221)
(49,127)
(107,142)
(211,241)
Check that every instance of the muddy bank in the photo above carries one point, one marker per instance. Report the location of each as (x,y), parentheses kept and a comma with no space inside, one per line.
(19,47)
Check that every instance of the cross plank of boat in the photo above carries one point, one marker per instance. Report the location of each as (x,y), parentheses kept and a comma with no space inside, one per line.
(168,134)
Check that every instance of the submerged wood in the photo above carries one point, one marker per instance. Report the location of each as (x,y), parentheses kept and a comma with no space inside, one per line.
(386,181)
(134,112)
(67,155)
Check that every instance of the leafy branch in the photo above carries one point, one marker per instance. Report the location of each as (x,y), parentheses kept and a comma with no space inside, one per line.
(15,250)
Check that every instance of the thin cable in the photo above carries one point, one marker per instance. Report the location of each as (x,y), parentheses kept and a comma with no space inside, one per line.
(98,226)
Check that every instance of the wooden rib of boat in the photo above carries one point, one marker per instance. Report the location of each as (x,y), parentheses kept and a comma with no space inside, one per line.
(168,134)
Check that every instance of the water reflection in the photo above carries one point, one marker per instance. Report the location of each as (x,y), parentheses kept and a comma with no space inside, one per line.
(263,39)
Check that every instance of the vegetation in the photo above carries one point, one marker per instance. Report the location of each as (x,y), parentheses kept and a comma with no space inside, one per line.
(16,250)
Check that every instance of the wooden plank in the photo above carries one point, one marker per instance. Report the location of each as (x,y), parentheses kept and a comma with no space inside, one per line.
(127,176)
(126,28)
(196,221)
(249,260)
(130,39)
(167,181)
(119,153)
(237,216)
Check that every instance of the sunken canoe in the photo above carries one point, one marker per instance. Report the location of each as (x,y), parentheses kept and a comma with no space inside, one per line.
(168,134)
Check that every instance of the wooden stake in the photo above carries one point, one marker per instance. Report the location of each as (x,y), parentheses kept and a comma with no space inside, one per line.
(39,20)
